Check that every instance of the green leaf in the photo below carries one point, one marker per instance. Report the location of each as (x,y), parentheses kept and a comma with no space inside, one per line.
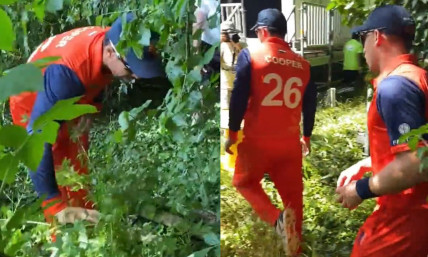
(413,143)
(54,5)
(42,63)
(201,253)
(16,219)
(138,50)
(331,5)
(349,5)
(31,152)
(8,168)
(213,21)
(173,71)
(179,8)
(15,243)
(117,136)
(211,239)
(209,54)
(99,20)
(195,75)
(39,9)
(194,99)
(6,2)
(135,111)
(7,34)
(179,120)
(50,132)
(12,136)
(178,135)
(145,36)
(124,120)
(421,152)
(23,78)
(64,110)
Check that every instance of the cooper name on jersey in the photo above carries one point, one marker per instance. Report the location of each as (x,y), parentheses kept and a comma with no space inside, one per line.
(284,62)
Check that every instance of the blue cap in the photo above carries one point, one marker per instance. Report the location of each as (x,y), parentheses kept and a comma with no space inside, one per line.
(148,65)
(392,19)
(273,19)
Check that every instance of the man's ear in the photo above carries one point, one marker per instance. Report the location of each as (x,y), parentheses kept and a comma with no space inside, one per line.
(108,49)
(379,37)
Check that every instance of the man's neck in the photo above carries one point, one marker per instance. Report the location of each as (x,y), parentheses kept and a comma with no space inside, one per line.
(388,59)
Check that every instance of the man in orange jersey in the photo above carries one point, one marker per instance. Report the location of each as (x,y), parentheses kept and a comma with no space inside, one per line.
(399,225)
(271,89)
(89,61)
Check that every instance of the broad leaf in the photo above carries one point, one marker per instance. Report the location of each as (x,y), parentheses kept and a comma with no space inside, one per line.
(42,63)
(180,6)
(8,168)
(50,132)
(31,152)
(39,9)
(145,36)
(201,253)
(211,239)
(7,34)
(12,135)
(209,54)
(124,120)
(64,110)
(23,78)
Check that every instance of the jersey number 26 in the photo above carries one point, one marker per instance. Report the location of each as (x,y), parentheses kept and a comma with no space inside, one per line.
(287,92)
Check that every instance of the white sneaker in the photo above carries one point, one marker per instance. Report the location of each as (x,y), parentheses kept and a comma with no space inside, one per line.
(285,227)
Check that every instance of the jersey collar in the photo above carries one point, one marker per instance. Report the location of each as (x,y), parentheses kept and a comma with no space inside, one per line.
(277,40)
(397,61)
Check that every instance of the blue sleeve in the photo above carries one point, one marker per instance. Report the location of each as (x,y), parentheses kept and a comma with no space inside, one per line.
(60,82)
(241,90)
(309,107)
(401,105)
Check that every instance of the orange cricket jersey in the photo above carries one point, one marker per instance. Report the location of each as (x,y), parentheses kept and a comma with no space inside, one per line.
(81,50)
(381,152)
(278,81)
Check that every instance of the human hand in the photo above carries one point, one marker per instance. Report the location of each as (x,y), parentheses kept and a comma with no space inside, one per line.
(305,142)
(228,144)
(72,214)
(347,196)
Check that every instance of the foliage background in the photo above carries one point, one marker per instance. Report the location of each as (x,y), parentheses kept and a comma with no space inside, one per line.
(154,165)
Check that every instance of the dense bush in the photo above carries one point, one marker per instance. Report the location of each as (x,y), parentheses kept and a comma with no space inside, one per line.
(154,168)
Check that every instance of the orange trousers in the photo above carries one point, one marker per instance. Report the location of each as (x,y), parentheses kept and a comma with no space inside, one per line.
(66,148)
(282,160)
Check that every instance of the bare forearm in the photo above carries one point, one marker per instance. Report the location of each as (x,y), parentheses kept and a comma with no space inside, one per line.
(400,174)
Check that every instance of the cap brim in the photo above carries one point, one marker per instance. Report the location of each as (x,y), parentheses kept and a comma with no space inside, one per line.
(255,26)
(357,30)
(147,67)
